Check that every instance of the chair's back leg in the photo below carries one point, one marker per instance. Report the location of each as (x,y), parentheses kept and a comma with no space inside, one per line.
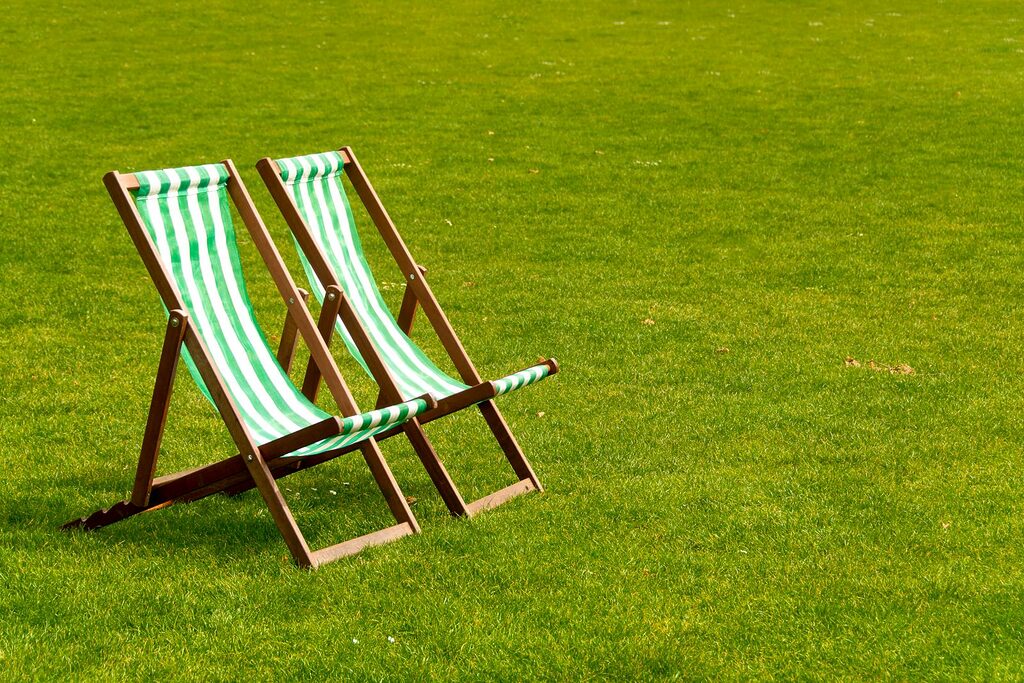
(435,468)
(267,486)
(388,485)
(158,405)
(508,442)
(407,312)
(325,326)
(289,337)
(418,289)
(249,451)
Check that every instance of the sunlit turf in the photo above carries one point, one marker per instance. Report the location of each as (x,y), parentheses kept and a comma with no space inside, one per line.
(701,209)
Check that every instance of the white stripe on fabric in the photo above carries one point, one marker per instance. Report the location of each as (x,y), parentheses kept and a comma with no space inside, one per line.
(284,387)
(381,420)
(196,309)
(403,358)
(277,420)
(410,376)
(236,384)
(304,189)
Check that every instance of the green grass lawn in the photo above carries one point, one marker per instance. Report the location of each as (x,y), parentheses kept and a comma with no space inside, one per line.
(700,209)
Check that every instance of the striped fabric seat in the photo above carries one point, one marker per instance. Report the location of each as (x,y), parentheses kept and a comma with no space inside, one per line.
(186,214)
(314,184)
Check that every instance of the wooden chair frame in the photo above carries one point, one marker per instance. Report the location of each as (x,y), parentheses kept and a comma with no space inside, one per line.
(256,466)
(417,294)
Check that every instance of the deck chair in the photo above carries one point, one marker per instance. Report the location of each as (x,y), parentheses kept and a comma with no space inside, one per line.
(309,192)
(180,221)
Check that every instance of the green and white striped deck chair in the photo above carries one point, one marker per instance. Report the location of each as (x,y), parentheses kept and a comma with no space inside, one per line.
(310,194)
(180,220)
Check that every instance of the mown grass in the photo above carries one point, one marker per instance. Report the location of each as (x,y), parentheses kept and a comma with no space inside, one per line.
(700,209)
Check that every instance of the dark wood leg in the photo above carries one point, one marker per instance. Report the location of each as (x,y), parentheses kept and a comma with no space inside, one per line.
(293,537)
(413,429)
(289,338)
(407,313)
(188,486)
(267,486)
(388,485)
(508,443)
(435,468)
(162,388)
(325,325)
(304,557)
(237,474)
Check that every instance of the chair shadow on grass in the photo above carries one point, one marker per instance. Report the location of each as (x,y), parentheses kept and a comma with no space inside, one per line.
(330,504)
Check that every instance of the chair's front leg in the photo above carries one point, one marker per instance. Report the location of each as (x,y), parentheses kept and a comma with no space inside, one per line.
(407,313)
(290,337)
